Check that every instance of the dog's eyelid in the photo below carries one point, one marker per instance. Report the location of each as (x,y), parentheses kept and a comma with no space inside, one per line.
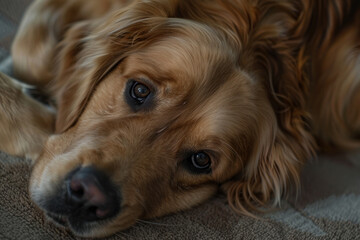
(144,80)
(142,77)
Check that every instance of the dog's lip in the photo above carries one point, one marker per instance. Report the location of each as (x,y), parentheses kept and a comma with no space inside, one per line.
(60,220)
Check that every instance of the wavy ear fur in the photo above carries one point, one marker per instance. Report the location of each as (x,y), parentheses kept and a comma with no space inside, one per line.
(283,141)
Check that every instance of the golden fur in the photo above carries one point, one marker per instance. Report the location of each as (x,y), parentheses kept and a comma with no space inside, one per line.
(257,85)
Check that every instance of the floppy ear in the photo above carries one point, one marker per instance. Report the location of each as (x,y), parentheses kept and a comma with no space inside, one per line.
(273,167)
(282,139)
(274,164)
(92,48)
(69,91)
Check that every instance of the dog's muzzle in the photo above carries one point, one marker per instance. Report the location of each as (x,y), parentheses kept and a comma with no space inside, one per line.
(86,196)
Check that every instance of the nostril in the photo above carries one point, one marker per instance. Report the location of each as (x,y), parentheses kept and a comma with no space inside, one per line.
(76,190)
(92,210)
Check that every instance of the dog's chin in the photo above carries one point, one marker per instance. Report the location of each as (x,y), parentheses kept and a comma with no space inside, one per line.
(82,229)
(92,228)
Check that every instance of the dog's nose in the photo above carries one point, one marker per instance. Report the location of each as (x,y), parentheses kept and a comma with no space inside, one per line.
(91,195)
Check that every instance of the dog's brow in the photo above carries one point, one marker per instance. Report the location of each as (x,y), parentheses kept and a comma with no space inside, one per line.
(144,65)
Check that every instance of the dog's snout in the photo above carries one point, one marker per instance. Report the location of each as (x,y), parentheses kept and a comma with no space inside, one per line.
(85,190)
(91,195)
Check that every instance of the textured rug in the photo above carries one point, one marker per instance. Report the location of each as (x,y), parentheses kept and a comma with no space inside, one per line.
(328,208)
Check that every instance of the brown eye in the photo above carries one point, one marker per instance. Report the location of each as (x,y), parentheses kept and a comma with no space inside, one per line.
(201,160)
(139,92)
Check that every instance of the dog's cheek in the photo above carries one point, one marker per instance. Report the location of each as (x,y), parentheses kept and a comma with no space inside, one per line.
(183,199)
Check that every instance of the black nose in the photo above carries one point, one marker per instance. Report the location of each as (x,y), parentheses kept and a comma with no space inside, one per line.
(91,195)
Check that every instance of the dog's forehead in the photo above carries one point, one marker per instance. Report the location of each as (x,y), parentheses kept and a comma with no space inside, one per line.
(203,71)
(224,107)
(183,57)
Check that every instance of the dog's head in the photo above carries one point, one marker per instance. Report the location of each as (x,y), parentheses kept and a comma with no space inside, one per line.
(160,105)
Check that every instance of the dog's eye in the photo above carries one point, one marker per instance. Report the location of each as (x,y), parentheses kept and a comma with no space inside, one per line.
(139,95)
(200,160)
(197,162)
(139,92)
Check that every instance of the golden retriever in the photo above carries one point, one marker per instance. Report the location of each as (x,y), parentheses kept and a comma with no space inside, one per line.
(161,103)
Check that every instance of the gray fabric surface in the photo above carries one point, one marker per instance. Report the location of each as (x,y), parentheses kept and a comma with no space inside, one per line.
(11,12)
(327,208)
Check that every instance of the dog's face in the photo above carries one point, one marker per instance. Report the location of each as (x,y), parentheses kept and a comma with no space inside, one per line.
(153,125)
